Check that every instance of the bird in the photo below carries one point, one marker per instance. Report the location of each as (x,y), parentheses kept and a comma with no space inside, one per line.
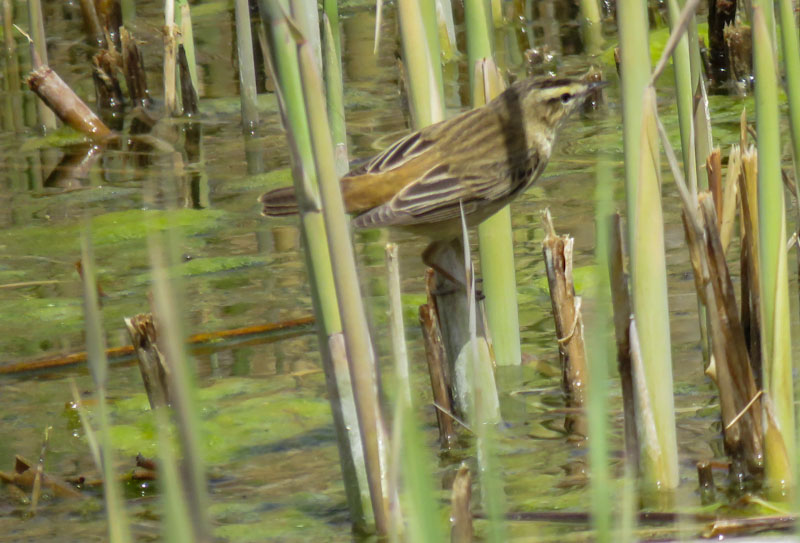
(477,162)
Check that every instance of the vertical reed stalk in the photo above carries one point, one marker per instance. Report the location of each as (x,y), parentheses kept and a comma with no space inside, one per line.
(283,61)
(334,89)
(172,336)
(683,91)
(396,327)
(247,74)
(597,379)
(790,48)
(775,326)
(351,308)
(659,457)
(47,119)
(118,525)
(591,26)
(170,58)
(495,234)
(421,57)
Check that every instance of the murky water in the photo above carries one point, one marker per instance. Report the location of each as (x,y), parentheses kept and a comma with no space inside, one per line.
(269,437)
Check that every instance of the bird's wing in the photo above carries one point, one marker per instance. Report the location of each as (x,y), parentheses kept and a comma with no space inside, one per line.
(395,156)
(436,197)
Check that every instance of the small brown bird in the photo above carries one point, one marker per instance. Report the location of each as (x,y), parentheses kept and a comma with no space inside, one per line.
(481,160)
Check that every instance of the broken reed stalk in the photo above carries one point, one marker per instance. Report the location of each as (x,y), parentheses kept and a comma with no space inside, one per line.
(107,88)
(621,302)
(750,296)
(557,252)
(36,493)
(62,100)
(437,366)
(452,307)
(188,92)
(154,370)
(461,530)
(741,410)
(133,68)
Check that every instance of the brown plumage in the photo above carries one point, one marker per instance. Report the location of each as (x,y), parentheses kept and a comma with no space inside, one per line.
(480,160)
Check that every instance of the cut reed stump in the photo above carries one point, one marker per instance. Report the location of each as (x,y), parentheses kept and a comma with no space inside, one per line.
(569,323)
(153,367)
(133,68)
(437,367)
(452,306)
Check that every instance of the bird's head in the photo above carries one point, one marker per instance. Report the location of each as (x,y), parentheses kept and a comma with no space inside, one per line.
(548,102)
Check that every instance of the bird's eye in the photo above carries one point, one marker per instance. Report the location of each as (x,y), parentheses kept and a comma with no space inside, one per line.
(566,97)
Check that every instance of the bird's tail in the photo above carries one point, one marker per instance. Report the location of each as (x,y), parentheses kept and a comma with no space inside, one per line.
(279,202)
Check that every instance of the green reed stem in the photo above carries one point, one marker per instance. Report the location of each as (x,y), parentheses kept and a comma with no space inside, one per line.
(646,242)
(790,47)
(334,89)
(185,408)
(47,119)
(284,63)
(776,343)
(396,326)
(598,352)
(421,508)
(591,26)
(345,276)
(683,91)
(495,234)
(421,57)
(118,524)
(247,73)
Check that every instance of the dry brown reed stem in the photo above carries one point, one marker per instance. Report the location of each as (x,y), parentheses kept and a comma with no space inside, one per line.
(734,375)
(170,61)
(461,530)
(154,369)
(73,169)
(569,322)
(730,197)
(750,296)
(720,14)
(714,169)
(188,92)
(705,480)
(621,302)
(36,494)
(106,85)
(452,309)
(63,101)
(133,68)
(94,30)
(436,356)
